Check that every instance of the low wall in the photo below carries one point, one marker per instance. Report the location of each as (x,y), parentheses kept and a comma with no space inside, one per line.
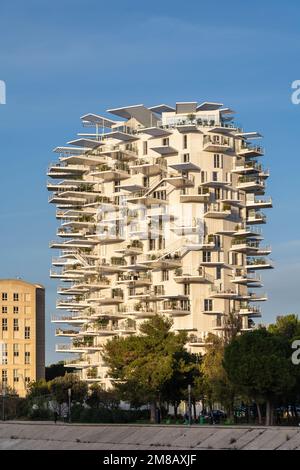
(18,435)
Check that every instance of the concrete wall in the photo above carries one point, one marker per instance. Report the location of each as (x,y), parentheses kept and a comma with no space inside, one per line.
(38,435)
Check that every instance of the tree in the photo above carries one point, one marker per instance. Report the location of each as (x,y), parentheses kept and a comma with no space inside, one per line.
(60,385)
(38,389)
(145,366)
(99,397)
(258,363)
(287,326)
(214,380)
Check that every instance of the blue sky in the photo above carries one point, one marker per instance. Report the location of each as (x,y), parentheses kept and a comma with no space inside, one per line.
(61,59)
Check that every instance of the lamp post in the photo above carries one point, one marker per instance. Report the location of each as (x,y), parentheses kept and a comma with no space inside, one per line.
(189,397)
(69,396)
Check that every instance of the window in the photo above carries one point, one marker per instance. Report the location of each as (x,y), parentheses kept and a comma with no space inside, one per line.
(217,241)
(217,193)
(151,244)
(218,272)
(234,258)
(185,141)
(16,324)
(4,376)
(27,310)
(146,181)
(206,256)
(27,353)
(27,297)
(4,324)
(4,309)
(16,375)
(16,297)
(186,157)
(27,376)
(16,309)
(208,305)
(203,176)
(145,148)
(165,275)
(16,350)
(27,332)
(186,289)
(4,354)
(165,141)
(218,160)
(4,296)
(215,176)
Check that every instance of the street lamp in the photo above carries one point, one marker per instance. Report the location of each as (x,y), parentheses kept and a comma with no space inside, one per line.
(69,396)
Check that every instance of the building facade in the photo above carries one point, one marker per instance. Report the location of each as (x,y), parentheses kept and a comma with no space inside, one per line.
(22,334)
(160,213)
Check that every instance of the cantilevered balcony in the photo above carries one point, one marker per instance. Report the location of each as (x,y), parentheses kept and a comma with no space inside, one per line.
(190,275)
(176,308)
(256,203)
(254,217)
(66,275)
(201,195)
(66,333)
(135,279)
(125,153)
(63,171)
(180,181)
(135,247)
(250,183)
(185,166)
(217,144)
(221,293)
(248,310)
(140,197)
(162,262)
(140,310)
(246,278)
(80,243)
(188,227)
(258,263)
(253,297)
(248,150)
(68,348)
(218,211)
(72,319)
(247,168)
(165,150)
(243,245)
(149,166)
(72,304)
(119,171)
(244,231)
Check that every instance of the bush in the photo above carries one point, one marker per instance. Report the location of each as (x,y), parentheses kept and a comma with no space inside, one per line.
(105,415)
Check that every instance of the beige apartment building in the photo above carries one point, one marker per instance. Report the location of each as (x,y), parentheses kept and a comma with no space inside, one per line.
(22,340)
(160,212)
